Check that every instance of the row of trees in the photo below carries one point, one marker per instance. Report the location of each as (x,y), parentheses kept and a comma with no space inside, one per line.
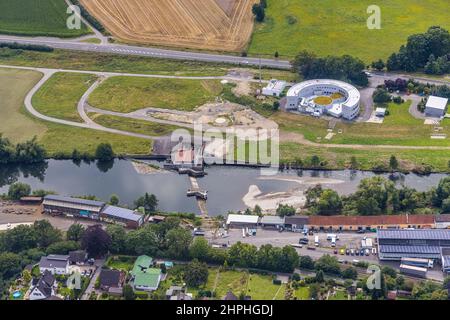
(26,152)
(378,195)
(429,51)
(345,68)
(29,47)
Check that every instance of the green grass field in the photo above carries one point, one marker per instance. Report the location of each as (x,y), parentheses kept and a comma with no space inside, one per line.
(335,27)
(14,85)
(399,128)
(18,125)
(133,125)
(127,94)
(36,18)
(59,96)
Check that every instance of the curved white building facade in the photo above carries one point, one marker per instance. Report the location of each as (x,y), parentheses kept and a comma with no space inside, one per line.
(324,96)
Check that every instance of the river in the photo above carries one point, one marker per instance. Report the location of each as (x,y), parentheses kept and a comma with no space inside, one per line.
(226,185)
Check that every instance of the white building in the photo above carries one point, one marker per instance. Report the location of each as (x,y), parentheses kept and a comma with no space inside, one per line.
(55,264)
(436,107)
(274,88)
(324,96)
(241,221)
(43,288)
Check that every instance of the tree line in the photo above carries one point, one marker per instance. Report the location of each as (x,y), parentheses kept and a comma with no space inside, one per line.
(378,195)
(429,51)
(27,152)
(29,47)
(344,68)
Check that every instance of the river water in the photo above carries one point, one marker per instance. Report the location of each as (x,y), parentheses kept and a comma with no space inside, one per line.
(226,185)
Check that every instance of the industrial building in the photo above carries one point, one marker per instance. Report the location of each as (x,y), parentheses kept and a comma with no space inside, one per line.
(436,107)
(401,243)
(319,97)
(274,88)
(272,222)
(89,209)
(242,221)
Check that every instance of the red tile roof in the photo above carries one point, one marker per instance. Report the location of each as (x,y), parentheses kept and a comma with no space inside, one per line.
(371,220)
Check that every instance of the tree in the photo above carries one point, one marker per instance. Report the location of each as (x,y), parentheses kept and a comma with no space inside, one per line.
(381,96)
(350,273)
(75,232)
(378,65)
(178,243)
(329,203)
(18,239)
(104,152)
(18,190)
(393,163)
(149,202)
(45,233)
(142,241)
(114,200)
(257,210)
(320,277)
(328,264)
(306,262)
(196,274)
(62,247)
(285,210)
(10,265)
(128,292)
(96,241)
(118,238)
(199,249)
(288,260)
(259,12)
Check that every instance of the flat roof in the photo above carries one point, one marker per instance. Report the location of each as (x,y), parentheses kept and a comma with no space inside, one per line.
(406,266)
(419,234)
(241,218)
(437,103)
(410,249)
(272,220)
(74,200)
(353,94)
(122,213)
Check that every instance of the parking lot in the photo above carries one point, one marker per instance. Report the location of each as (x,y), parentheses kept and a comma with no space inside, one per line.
(281,239)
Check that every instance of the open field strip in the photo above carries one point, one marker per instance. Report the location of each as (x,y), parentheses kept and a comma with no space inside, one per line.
(17,124)
(336,27)
(126,95)
(37,18)
(224,25)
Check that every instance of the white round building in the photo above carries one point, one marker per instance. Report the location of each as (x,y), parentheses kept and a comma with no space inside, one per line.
(324,96)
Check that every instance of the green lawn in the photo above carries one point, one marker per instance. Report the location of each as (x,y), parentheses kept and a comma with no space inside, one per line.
(133,125)
(14,85)
(59,96)
(336,27)
(127,94)
(124,263)
(36,18)
(302,293)
(399,128)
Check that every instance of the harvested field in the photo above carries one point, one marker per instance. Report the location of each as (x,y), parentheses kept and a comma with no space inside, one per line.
(224,25)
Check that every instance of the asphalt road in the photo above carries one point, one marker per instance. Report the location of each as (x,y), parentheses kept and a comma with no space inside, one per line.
(146,51)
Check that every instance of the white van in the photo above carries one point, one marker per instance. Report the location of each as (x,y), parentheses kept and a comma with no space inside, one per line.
(316,241)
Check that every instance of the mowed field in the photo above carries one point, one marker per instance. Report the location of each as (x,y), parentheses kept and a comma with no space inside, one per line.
(336,27)
(17,125)
(36,18)
(223,25)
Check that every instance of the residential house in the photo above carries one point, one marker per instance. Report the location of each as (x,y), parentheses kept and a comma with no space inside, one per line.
(44,287)
(78,257)
(55,263)
(144,277)
(111,281)
(178,293)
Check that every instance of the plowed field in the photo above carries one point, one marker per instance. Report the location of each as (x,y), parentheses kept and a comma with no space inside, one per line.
(224,25)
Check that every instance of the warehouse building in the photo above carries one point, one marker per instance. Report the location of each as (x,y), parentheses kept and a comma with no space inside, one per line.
(436,107)
(442,221)
(89,209)
(425,244)
(274,88)
(296,223)
(445,257)
(272,222)
(73,207)
(126,217)
(242,221)
(355,223)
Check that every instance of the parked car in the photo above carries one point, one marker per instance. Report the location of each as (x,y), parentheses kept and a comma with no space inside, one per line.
(362,252)
(367,251)
(347,252)
(361,231)
(335,251)
(352,252)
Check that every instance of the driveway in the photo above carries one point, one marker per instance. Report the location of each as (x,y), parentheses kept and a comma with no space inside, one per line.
(91,287)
